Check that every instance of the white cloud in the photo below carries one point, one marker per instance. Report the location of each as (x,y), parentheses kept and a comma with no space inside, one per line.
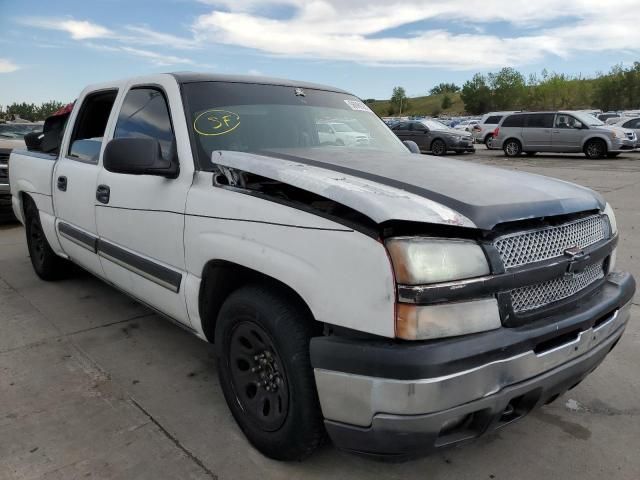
(7,66)
(157,58)
(340,30)
(118,41)
(77,29)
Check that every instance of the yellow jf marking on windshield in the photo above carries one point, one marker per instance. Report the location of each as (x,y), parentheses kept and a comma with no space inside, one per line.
(216,122)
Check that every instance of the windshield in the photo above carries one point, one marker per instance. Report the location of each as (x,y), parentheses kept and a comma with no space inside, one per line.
(588,119)
(258,118)
(434,124)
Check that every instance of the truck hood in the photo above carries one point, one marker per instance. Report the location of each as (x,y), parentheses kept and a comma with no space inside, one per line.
(417,188)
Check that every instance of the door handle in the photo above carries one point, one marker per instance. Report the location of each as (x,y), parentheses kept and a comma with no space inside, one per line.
(556,131)
(103,193)
(62,184)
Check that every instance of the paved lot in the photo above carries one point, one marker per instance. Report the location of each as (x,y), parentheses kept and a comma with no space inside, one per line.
(94,385)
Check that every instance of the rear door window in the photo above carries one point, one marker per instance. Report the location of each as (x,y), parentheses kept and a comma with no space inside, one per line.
(540,120)
(493,120)
(90,125)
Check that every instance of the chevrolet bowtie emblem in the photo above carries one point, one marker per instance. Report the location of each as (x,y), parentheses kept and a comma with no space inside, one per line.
(578,260)
(574,252)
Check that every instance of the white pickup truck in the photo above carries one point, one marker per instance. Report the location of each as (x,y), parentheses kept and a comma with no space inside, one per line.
(398,303)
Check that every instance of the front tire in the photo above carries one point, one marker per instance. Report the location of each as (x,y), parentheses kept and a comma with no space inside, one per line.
(262,346)
(512,148)
(438,147)
(488,141)
(595,149)
(47,265)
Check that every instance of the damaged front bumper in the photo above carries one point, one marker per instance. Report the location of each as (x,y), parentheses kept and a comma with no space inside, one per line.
(401,399)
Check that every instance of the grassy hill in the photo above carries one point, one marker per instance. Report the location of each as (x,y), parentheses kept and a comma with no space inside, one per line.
(428,105)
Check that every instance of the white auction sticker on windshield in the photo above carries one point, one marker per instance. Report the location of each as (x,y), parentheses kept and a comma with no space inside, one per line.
(357,105)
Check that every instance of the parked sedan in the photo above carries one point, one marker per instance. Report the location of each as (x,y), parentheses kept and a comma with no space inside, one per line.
(433,136)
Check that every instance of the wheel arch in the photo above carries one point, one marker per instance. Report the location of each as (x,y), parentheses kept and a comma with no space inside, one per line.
(602,138)
(220,278)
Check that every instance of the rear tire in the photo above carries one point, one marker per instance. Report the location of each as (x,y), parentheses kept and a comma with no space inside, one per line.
(512,148)
(438,147)
(262,347)
(595,149)
(47,265)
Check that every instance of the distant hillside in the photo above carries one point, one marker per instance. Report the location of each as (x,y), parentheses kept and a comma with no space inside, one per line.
(428,105)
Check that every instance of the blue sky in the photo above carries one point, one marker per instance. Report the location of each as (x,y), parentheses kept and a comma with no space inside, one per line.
(51,50)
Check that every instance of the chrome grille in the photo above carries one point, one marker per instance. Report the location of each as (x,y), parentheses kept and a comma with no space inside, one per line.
(535,245)
(540,294)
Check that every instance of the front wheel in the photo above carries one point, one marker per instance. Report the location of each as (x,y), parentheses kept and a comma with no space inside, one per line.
(438,147)
(512,148)
(595,149)
(488,141)
(262,346)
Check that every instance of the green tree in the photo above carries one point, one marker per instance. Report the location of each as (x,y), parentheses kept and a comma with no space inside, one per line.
(477,95)
(399,100)
(444,88)
(47,108)
(446,102)
(508,88)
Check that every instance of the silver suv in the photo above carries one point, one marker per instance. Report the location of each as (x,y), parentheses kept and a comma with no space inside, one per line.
(565,131)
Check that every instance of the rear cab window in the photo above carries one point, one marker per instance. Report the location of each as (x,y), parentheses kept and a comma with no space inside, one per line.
(90,125)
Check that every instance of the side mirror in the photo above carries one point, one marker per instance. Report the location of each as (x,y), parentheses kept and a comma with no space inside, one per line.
(138,156)
(411,146)
(578,125)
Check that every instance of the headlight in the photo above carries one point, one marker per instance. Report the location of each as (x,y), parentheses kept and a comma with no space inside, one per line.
(618,134)
(422,260)
(608,211)
(422,322)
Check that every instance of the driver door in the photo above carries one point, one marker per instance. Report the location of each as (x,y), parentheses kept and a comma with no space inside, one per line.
(140,218)
(567,133)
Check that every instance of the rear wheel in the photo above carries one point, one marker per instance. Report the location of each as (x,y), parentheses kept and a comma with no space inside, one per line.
(512,148)
(595,149)
(262,347)
(438,147)
(47,265)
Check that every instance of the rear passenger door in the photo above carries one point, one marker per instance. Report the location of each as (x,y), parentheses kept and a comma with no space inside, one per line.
(140,218)
(536,134)
(75,177)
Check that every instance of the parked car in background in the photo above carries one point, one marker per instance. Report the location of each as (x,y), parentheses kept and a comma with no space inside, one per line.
(340,133)
(433,136)
(466,125)
(563,131)
(11,137)
(603,117)
(632,123)
(483,131)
